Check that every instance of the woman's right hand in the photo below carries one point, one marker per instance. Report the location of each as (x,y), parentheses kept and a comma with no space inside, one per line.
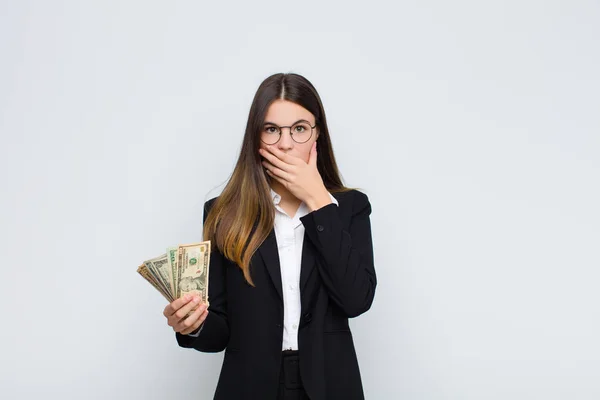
(183,315)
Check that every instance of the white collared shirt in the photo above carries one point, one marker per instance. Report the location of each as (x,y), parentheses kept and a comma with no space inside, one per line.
(289,232)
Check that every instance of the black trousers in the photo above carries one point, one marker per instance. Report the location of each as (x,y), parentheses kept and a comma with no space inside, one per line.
(290,384)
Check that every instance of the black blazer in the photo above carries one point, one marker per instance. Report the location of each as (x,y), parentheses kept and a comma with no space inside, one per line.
(337,282)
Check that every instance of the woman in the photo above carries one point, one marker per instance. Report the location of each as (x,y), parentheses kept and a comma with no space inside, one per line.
(281,313)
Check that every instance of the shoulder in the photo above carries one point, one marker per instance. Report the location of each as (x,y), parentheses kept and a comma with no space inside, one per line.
(208,205)
(354,200)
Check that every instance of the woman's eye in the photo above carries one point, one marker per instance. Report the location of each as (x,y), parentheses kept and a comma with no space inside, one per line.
(268,129)
(299,129)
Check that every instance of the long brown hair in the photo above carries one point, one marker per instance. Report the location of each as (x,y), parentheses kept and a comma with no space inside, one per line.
(242,217)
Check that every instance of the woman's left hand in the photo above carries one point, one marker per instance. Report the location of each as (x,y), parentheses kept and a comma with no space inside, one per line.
(302,179)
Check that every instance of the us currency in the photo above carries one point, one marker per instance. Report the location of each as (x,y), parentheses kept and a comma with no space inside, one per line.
(159,267)
(192,270)
(172,258)
(153,275)
(181,270)
(143,271)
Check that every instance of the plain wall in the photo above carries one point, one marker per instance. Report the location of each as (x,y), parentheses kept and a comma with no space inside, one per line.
(474,128)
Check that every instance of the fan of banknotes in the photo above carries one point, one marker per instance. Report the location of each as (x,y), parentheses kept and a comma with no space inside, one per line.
(181,270)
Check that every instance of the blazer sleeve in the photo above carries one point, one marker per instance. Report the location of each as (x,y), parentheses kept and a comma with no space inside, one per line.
(214,334)
(348,272)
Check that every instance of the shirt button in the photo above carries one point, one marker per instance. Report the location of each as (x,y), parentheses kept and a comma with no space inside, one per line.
(295,326)
(320,228)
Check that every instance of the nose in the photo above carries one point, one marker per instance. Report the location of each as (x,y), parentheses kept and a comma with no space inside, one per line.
(285,141)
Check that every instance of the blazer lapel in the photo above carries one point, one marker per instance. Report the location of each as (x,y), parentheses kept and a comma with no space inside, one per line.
(270,256)
(308,261)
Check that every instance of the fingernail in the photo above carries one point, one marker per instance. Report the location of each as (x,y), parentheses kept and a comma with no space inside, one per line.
(187,297)
(196,299)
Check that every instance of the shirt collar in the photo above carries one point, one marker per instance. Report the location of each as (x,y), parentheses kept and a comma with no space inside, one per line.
(276,197)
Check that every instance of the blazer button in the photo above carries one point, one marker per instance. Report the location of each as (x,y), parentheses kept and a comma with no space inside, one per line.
(279,325)
(320,228)
(307,317)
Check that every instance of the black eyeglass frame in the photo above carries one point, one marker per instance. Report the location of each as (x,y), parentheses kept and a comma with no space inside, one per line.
(291,134)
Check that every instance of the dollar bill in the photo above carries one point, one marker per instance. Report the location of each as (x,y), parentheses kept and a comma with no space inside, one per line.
(172,258)
(143,271)
(192,267)
(159,267)
(153,274)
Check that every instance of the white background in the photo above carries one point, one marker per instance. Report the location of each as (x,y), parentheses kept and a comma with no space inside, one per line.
(474,127)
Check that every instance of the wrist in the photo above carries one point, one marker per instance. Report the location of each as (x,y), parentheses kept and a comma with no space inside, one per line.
(319,200)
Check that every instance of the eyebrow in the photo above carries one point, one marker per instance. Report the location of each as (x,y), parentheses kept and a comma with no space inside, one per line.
(272,123)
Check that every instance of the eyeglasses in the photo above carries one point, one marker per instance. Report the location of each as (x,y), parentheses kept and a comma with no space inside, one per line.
(300,132)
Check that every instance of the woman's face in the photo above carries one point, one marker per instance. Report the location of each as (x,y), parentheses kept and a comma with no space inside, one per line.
(287,113)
